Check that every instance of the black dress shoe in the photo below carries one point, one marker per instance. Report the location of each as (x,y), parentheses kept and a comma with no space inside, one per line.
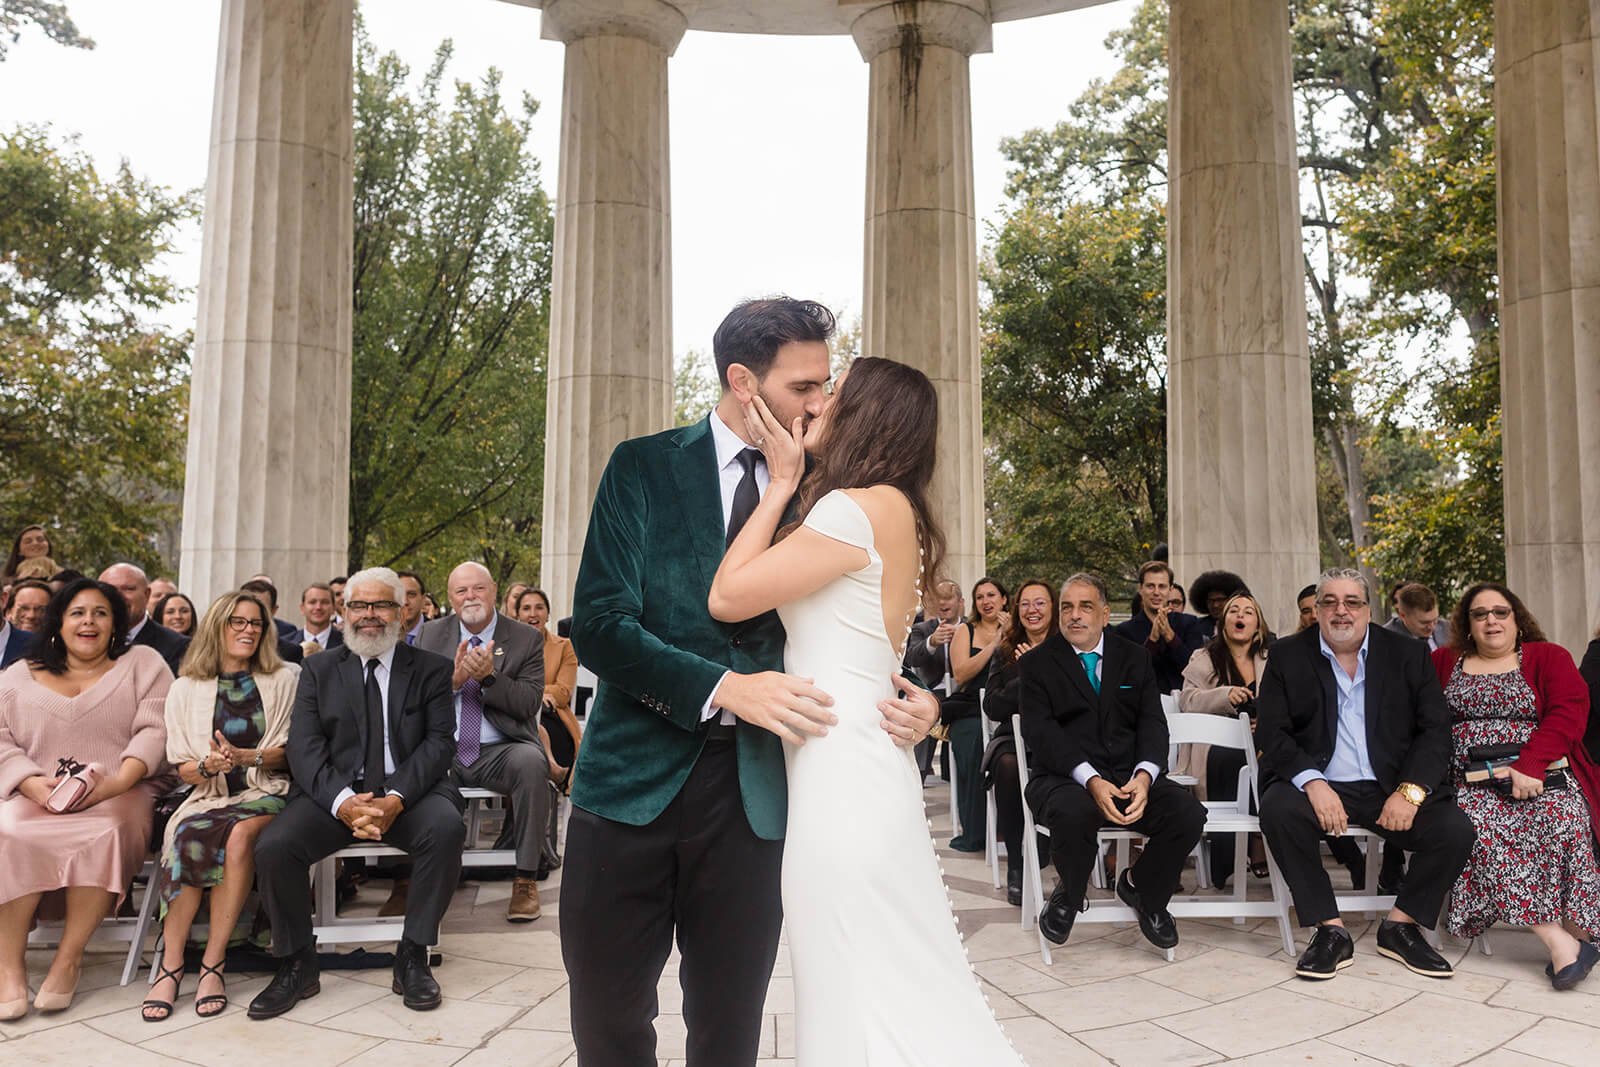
(412,978)
(1330,951)
(297,979)
(1579,969)
(1013,885)
(1055,921)
(1404,942)
(1156,924)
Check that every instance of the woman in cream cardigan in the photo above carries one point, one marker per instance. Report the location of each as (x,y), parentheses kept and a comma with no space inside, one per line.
(227,723)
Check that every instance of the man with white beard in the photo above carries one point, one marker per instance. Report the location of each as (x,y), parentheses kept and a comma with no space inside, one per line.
(498,685)
(370,744)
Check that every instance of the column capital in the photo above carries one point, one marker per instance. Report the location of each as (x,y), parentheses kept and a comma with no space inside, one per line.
(657,21)
(961,25)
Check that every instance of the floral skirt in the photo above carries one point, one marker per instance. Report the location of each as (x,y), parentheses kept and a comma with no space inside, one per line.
(199,846)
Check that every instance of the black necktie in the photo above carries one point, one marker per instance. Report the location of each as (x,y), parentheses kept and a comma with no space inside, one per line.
(745,495)
(373,776)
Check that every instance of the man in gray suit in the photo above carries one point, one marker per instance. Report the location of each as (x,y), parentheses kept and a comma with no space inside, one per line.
(498,686)
(1416,612)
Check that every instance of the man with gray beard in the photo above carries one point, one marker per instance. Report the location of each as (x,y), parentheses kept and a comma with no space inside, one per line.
(370,745)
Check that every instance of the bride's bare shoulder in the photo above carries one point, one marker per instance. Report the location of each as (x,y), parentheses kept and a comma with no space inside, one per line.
(883,502)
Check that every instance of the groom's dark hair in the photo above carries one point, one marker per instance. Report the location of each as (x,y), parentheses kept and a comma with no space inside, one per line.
(755,329)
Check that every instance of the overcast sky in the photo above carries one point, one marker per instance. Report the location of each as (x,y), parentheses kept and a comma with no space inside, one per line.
(752,213)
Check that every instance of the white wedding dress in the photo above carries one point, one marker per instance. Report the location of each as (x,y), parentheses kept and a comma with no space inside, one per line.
(880,975)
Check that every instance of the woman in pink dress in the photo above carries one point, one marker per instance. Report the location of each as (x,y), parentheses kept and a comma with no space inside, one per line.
(88,701)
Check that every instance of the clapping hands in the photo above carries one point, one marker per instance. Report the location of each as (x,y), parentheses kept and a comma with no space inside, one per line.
(472,663)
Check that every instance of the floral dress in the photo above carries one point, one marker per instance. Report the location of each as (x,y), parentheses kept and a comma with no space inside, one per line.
(1534,859)
(199,845)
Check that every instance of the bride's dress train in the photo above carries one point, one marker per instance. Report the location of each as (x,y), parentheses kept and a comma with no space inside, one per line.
(880,976)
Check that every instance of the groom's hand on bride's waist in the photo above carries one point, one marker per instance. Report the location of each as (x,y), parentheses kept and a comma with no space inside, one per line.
(790,707)
(909,717)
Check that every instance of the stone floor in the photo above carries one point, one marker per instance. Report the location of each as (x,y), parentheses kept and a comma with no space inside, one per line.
(1109,998)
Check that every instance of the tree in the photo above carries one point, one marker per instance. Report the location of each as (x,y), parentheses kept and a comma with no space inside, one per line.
(51,18)
(695,387)
(92,416)
(452,263)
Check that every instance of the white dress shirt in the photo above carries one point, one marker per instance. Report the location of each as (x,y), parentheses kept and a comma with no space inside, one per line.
(487,735)
(321,639)
(1084,771)
(382,675)
(729,473)
(133,631)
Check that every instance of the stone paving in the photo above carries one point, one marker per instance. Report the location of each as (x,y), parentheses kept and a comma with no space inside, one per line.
(1228,997)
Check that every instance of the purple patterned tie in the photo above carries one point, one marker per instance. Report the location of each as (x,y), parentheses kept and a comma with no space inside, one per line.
(469,735)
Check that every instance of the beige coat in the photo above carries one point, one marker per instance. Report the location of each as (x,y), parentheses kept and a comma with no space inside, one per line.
(1202,695)
(191,713)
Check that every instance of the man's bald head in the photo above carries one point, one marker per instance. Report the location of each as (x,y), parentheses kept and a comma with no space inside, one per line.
(134,585)
(472,593)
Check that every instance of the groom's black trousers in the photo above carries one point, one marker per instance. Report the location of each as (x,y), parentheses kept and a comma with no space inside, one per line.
(697,869)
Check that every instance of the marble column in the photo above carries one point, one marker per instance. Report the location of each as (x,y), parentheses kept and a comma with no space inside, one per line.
(1241,479)
(1547,144)
(610,369)
(268,475)
(920,302)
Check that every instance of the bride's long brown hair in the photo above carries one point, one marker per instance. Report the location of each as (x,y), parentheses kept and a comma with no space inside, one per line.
(882,430)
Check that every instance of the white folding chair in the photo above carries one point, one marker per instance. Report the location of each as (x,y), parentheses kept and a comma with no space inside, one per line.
(132,929)
(992,848)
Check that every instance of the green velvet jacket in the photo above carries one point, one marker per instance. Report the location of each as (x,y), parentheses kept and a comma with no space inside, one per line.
(640,624)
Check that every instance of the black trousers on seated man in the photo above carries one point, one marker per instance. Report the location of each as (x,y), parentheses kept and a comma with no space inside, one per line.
(697,867)
(304,832)
(1172,821)
(1440,841)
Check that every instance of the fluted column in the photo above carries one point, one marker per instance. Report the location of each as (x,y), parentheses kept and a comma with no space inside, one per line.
(920,303)
(267,482)
(1547,146)
(1241,480)
(610,371)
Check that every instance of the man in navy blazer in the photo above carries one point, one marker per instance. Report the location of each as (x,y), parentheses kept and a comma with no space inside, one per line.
(131,581)
(1171,637)
(24,608)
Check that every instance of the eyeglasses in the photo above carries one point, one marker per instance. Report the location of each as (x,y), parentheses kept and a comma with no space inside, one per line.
(1500,612)
(359,607)
(239,624)
(1350,603)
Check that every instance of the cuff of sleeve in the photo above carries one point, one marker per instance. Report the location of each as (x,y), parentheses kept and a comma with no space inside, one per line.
(1083,772)
(1303,777)
(1149,768)
(338,801)
(709,709)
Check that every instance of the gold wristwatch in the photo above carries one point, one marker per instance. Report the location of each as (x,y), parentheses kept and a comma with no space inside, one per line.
(1412,792)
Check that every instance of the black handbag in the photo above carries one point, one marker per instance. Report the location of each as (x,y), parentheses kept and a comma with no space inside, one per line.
(1484,760)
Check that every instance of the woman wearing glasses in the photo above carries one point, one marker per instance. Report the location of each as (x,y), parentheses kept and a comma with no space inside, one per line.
(227,722)
(1533,864)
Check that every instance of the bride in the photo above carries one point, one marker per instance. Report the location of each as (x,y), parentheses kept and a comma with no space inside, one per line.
(880,977)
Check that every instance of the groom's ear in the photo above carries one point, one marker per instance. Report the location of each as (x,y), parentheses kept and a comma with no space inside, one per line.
(742,381)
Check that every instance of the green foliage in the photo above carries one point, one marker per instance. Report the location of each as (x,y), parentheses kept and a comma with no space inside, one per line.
(695,387)
(453,241)
(51,18)
(96,394)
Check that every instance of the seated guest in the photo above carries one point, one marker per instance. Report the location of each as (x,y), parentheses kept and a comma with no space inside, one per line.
(413,613)
(1095,731)
(227,720)
(508,607)
(336,585)
(927,655)
(1533,864)
(1171,639)
(25,607)
(1175,599)
(1306,602)
(1353,730)
(87,704)
(1221,679)
(316,608)
(176,612)
(39,568)
(161,588)
(289,648)
(370,743)
(262,583)
(1590,670)
(973,645)
(430,608)
(130,581)
(60,579)
(1031,625)
(560,676)
(31,542)
(1209,593)
(1416,612)
(498,683)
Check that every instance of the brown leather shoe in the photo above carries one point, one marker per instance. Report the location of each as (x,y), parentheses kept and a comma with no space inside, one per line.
(524,904)
(396,904)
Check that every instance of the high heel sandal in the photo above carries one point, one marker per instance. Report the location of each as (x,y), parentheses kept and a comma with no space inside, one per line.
(220,1000)
(163,972)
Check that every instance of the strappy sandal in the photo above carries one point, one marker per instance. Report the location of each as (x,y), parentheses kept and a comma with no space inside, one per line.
(162,972)
(218,1000)
(1259,869)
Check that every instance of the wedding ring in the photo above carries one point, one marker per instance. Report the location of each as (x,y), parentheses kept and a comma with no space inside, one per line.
(760,441)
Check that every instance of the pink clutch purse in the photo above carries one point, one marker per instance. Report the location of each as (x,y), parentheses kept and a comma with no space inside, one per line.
(71,790)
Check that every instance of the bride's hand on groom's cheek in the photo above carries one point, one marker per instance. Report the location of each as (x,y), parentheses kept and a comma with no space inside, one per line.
(908,718)
(782,447)
(790,707)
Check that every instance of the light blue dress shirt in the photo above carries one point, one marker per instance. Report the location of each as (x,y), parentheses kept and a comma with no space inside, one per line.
(1350,762)
(487,735)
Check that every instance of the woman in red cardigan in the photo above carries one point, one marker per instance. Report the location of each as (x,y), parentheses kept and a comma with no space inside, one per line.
(1533,864)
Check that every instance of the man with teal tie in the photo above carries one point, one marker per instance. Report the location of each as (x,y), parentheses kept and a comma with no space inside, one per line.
(1097,738)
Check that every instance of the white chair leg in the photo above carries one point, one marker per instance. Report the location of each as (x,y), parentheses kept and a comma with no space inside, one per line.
(1483,944)
(147,907)
(1202,863)
(955,809)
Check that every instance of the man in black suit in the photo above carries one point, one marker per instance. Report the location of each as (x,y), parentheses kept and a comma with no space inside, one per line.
(928,654)
(1353,729)
(25,606)
(1170,637)
(316,608)
(370,744)
(134,585)
(266,594)
(1092,720)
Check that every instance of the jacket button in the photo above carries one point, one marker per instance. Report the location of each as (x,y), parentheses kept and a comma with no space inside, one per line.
(737,642)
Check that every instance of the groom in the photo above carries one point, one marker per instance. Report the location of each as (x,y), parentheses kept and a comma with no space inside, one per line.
(679,799)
